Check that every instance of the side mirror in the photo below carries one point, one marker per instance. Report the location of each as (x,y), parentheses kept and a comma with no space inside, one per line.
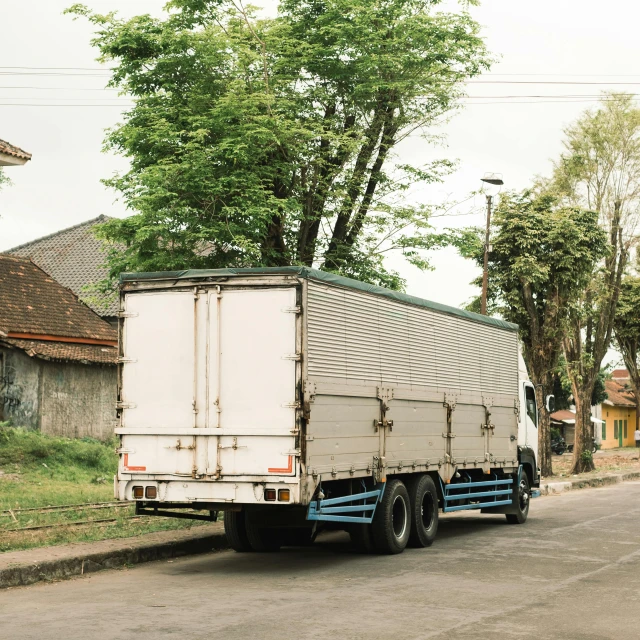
(550,403)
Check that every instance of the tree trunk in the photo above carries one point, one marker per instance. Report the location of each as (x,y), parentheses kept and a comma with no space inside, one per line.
(544,435)
(583,439)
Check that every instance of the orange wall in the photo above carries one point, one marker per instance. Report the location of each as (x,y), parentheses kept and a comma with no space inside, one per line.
(610,414)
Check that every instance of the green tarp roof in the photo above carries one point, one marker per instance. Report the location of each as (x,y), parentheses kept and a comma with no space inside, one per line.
(322,276)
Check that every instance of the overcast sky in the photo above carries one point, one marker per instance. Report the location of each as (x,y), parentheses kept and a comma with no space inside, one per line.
(546,42)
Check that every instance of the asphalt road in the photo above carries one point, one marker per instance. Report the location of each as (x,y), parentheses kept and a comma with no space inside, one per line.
(571,572)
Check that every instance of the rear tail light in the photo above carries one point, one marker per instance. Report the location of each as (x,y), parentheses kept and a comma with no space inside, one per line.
(138,492)
(151,493)
(284,495)
(270,495)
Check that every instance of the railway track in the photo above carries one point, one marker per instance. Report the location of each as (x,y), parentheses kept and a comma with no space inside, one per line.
(77,523)
(66,509)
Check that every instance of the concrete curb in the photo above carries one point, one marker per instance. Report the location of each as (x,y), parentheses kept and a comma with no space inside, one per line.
(22,568)
(554,488)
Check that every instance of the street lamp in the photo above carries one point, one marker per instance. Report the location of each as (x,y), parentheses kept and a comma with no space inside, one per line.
(496,180)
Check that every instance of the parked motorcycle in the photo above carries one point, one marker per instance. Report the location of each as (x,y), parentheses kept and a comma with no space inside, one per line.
(558,445)
(594,446)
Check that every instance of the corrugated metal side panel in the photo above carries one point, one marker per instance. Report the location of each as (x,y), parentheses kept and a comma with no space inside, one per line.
(359,337)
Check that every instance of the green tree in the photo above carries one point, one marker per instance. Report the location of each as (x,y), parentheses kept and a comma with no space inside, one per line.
(626,328)
(542,257)
(563,391)
(267,142)
(599,169)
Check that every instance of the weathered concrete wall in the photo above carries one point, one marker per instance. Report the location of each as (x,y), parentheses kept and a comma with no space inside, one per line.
(78,400)
(20,380)
(58,398)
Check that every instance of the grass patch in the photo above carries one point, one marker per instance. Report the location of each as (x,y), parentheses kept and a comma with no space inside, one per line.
(40,471)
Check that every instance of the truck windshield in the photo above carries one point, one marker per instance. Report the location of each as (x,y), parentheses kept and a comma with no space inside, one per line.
(530,399)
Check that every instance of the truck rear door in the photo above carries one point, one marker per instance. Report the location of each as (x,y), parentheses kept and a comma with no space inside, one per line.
(209,382)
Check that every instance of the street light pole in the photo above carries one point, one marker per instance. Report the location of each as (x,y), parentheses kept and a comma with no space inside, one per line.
(485,270)
(494,179)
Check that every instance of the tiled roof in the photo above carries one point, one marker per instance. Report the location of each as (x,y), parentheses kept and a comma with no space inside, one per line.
(33,302)
(618,394)
(13,151)
(620,374)
(562,415)
(75,258)
(64,351)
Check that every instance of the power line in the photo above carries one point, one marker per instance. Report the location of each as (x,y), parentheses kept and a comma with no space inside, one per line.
(563,82)
(62,88)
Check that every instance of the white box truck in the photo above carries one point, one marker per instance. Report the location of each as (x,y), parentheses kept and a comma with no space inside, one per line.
(293,400)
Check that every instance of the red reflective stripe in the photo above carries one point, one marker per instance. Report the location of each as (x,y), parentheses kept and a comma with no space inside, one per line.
(125,462)
(289,469)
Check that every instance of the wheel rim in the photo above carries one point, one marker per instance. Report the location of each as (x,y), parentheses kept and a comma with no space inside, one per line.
(523,495)
(399,517)
(427,511)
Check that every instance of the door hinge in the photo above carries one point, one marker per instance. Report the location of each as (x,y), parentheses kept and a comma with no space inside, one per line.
(127,314)
(292,356)
(290,405)
(126,405)
(291,310)
(125,360)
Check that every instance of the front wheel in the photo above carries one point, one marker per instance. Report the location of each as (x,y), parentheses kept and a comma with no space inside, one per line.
(391,524)
(521,498)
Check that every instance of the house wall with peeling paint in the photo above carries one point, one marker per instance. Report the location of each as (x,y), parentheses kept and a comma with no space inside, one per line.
(20,378)
(58,398)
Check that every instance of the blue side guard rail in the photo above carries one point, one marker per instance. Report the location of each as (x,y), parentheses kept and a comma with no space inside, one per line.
(477,495)
(358,507)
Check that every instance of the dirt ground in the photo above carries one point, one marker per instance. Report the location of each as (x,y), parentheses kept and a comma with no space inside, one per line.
(606,461)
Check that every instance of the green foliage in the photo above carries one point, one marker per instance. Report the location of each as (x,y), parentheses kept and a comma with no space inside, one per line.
(564,393)
(587,456)
(269,142)
(31,448)
(4,179)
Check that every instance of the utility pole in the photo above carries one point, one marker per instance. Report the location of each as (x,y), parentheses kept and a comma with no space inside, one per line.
(485,271)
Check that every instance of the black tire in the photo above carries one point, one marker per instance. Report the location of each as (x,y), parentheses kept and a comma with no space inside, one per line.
(522,498)
(423,500)
(391,524)
(262,539)
(236,531)
(361,537)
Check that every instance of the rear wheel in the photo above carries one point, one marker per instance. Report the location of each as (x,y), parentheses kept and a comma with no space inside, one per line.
(391,524)
(262,538)
(236,530)
(521,496)
(423,499)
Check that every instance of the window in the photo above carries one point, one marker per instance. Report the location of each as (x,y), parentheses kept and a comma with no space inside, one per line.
(625,429)
(604,430)
(530,399)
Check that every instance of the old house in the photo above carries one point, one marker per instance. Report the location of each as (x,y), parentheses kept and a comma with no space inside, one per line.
(75,258)
(618,412)
(57,357)
(11,156)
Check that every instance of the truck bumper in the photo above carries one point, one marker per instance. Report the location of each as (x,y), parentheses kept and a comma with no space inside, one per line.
(223,492)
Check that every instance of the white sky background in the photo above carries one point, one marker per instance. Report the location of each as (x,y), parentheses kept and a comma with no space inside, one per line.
(549,40)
